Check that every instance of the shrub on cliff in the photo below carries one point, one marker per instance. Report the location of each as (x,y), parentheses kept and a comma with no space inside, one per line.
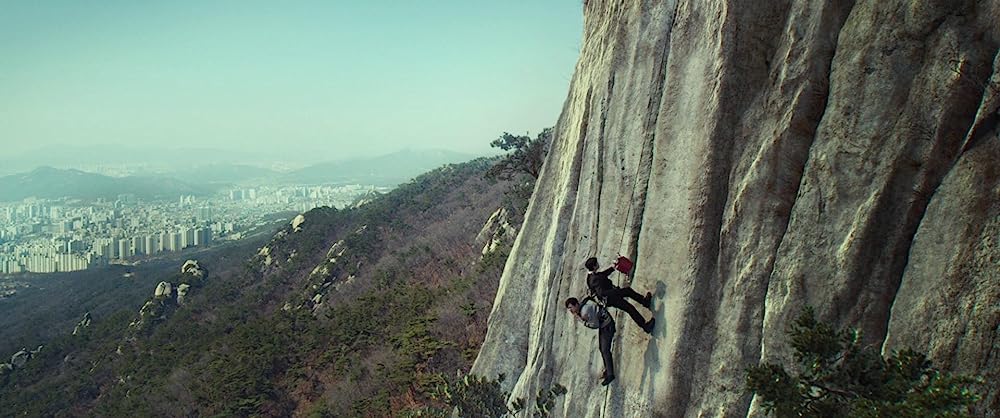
(478,396)
(836,376)
(521,165)
(525,156)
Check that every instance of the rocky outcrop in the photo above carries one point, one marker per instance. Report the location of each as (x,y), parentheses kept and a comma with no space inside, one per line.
(83,324)
(150,312)
(297,222)
(365,199)
(22,357)
(194,269)
(754,158)
(326,276)
(167,296)
(182,291)
(163,290)
(496,231)
(264,256)
(9,287)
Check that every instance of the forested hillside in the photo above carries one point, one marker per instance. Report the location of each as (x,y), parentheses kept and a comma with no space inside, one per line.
(355,312)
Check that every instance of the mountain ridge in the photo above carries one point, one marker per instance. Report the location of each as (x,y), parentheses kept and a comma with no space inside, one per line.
(383,170)
(53,183)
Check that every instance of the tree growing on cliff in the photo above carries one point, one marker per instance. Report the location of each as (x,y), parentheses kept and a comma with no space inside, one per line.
(521,166)
(478,396)
(836,375)
(525,156)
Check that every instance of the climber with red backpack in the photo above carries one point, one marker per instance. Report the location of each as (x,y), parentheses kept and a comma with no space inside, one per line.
(606,293)
(596,316)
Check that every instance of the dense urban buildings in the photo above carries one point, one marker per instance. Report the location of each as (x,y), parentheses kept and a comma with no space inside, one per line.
(46,236)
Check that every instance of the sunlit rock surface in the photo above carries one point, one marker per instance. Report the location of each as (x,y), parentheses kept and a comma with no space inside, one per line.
(297,222)
(20,358)
(83,324)
(754,158)
(496,231)
(182,291)
(163,290)
(193,268)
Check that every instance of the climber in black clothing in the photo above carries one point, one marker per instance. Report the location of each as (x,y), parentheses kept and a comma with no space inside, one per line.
(601,286)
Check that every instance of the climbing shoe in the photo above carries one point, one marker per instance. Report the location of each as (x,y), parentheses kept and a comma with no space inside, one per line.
(607,379)
(648,300)
(649,326)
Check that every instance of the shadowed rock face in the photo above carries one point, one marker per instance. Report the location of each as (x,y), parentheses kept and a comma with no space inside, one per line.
(754,158)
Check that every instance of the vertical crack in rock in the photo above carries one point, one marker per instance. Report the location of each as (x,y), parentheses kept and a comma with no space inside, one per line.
(657,81)
(711,192)
(946,303)
(989,111)
(895,127)
(606,103)
(584,126)
(930,144)
(767,184)
(947,145)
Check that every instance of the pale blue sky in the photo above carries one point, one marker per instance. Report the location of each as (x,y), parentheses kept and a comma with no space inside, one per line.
(334,78)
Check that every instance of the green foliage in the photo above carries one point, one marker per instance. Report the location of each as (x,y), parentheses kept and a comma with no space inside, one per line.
(493,262)
(836,376)
(546,400)
(239,378)
(525,158)
(27,391)
(478,396)
(521,166)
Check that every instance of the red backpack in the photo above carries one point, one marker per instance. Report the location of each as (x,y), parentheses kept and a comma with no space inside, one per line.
(623,264)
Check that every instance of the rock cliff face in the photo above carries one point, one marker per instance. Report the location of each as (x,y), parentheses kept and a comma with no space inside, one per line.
(754,158)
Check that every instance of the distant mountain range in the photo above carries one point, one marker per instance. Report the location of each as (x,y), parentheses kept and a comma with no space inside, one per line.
(190,164)
(52,183)
(224,173)
(385,170)
(108,154)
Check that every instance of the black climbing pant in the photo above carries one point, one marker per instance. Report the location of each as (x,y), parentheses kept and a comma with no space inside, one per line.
(616,298)
(604,336)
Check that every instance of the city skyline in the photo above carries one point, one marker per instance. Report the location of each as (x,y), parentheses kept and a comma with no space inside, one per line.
(63,235)
(324,79)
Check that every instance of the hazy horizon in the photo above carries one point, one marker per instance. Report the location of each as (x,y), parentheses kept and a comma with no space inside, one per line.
(318,81)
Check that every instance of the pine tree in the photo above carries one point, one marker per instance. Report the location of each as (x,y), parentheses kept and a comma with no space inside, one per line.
(836,376)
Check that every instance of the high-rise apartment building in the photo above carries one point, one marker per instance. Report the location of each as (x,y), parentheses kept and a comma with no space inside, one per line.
(123,249)
(175,241)
(149,244)
(137,246)
(162,244)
